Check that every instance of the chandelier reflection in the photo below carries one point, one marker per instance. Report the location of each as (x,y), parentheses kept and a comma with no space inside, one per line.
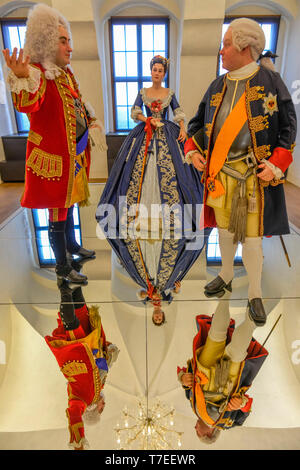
(148,428)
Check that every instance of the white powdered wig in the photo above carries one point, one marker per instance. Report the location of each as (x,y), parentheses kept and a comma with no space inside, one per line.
(42,37)
(246,32)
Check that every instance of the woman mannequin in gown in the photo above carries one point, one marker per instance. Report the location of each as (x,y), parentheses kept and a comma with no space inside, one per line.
(148,187)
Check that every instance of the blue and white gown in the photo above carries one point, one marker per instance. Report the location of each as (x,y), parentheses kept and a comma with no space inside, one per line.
(167,180)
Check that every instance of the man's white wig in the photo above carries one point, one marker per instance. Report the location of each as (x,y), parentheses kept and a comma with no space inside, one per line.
(246,32)
(42,37)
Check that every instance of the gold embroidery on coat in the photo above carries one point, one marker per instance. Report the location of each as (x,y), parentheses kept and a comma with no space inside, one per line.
(96,376)
(45,164)
(25,95)
(258,123)
(208,126)
(70,122)
(74,368)
(34,137)
(216,99)
(254,93)
(263,151)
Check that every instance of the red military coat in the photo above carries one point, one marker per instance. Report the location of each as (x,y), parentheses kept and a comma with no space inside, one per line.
(51,145)
(73,351)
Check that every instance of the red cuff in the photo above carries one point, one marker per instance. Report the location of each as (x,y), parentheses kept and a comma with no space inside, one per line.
(179,370)
(74,415)
(189,145)
(248,405)
(282,158)
(75,334)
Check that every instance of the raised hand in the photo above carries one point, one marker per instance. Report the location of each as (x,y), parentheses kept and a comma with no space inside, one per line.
(19,66)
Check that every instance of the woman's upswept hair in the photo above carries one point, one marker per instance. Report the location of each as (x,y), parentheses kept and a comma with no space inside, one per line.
(158,59)
(246,32)
(41,39)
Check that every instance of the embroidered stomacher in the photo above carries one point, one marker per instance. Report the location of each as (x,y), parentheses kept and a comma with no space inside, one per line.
(165,102)
(44,164)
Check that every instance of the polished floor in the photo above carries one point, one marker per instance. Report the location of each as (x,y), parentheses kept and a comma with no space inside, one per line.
(10,194)
(33,391)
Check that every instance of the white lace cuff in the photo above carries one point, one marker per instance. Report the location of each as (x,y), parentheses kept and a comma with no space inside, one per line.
(135,111)
(30,84)
(179,115)
(113,353)
(98,137)
(179,376)
(82,443)
(90,109)
(276,170)
(188,157)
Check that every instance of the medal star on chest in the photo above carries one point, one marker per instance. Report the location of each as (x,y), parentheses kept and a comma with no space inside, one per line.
(270,104)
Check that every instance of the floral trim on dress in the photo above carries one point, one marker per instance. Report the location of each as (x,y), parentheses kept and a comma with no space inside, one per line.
(148,101)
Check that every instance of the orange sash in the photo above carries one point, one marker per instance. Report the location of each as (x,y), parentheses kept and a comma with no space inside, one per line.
(200,404)
(230,129)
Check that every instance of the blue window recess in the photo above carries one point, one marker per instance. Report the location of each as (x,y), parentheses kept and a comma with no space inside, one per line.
(41,223)
(13,32)
(134,41)
(270,26)
(213,255)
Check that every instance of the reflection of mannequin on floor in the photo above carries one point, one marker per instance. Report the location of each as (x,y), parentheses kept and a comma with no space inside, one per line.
(224,364)
(158,316)
(84,357)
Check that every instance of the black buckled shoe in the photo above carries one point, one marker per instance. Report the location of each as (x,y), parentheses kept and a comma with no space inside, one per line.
(257,312)
(68,272)
(217,287)
(83,253)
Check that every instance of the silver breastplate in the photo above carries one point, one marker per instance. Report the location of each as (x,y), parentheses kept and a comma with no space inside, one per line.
(234,91)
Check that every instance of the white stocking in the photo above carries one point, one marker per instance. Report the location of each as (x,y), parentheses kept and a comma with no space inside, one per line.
(241,337)
(221,320)
(228,250)
(253,262)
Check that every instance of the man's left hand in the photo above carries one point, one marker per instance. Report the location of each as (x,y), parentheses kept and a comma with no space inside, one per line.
(95,126)
(235,404)
(266,174)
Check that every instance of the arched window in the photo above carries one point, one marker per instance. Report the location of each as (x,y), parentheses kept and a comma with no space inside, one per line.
(133,43)
(13,32)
